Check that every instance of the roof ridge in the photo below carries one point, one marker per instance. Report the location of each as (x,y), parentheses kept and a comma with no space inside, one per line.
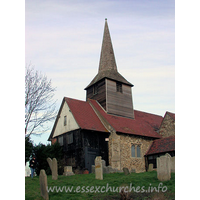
(103,120)
(148,113)
(73,99)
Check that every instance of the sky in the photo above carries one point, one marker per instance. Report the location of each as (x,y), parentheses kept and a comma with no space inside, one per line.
(63,40)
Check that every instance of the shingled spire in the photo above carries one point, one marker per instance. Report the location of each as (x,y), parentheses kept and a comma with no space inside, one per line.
(107,59)
(107,64)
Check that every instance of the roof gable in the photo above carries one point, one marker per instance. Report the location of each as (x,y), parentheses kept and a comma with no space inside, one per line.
(172,115)
(85,115)
(71,123)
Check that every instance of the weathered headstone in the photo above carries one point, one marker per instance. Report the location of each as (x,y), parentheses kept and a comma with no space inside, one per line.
(164,167)
(126,171)
(110,169)
(68,171)
(150,167)
(27,169)
(173,164)
(43,184)
(103,163)
(105,170)
(98,168)
(54,168)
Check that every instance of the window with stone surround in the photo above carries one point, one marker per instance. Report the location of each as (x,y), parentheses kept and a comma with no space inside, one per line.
(136,151)
(133,150)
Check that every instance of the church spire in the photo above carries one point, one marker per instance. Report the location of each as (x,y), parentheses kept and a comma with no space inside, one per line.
(107,59)
(107,64)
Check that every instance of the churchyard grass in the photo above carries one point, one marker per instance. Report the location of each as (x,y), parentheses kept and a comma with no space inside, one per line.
(147,180)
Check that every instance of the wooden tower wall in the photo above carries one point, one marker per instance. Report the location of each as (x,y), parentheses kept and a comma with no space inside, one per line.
(100,96)
(119,103)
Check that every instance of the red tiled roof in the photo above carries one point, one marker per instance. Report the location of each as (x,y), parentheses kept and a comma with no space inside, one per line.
(162,145)
(85,115)
(144,124)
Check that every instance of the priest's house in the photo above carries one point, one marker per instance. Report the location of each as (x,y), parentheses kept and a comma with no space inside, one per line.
(107,125)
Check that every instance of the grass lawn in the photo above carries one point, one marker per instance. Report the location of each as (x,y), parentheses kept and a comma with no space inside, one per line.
(85,186)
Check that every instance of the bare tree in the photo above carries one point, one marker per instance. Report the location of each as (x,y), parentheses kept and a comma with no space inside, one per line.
(39,103)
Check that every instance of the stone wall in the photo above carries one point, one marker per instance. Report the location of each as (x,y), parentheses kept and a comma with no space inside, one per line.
(114,150)
(126,159)
(167,127)
(137,163)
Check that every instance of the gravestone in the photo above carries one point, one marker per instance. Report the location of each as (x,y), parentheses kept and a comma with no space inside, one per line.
(173,164)
(27,169)
(150,167)
(43,184)
(68,171)
(164,167)
(110,169)
(98,168)
(126,171)
(54,167)
(103,163)
(105,169)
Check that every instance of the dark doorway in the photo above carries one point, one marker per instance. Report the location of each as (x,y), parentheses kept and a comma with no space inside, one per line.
(90,155)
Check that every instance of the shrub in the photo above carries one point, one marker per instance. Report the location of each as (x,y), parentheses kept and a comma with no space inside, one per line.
(42,152)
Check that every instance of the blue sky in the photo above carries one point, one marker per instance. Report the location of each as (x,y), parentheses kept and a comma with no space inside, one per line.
(63,40)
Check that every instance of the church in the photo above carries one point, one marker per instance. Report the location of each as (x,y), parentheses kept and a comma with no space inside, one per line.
(107,125)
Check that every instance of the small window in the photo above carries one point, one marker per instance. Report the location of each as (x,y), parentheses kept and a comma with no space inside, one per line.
(119,87)
(60,140)
(95,89)
(133,150)
(138,151)
(69,138)
(65,120)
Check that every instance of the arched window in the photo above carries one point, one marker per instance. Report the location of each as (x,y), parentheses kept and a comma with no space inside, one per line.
(138,151)
(133,150)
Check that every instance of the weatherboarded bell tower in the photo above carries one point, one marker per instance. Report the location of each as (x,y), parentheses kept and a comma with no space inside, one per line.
(109,87)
